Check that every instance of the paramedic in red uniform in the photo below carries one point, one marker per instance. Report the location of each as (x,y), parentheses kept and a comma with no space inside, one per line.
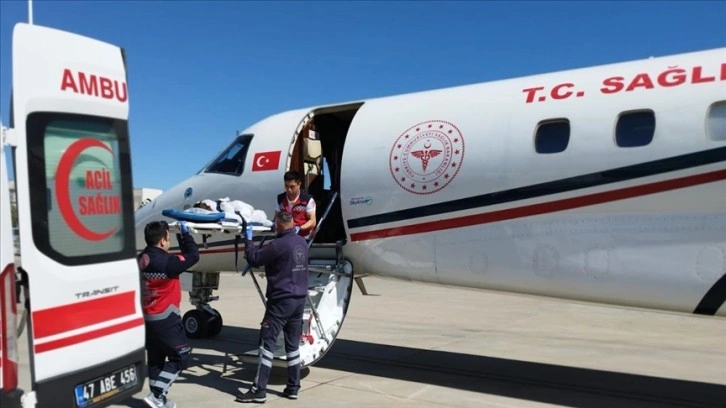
(298,203)
(286,270)
(167,347)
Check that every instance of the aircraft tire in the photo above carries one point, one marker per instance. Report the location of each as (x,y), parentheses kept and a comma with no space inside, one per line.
(196,324)
(215,323)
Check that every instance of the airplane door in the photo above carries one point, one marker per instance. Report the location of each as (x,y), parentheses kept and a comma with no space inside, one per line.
(75,211)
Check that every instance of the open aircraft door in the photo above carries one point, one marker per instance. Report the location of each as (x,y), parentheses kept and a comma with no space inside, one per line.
(75,210)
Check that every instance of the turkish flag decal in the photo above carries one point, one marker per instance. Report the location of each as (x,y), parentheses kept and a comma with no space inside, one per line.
(266,161)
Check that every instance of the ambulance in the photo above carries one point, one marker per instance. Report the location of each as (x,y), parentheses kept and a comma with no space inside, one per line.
(74,273)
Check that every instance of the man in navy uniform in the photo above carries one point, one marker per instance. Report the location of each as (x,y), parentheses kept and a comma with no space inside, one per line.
(286,269)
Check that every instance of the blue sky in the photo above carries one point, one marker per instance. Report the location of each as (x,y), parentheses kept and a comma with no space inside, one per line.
(200,71)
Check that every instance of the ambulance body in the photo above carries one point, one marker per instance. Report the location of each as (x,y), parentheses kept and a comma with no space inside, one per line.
(72,170)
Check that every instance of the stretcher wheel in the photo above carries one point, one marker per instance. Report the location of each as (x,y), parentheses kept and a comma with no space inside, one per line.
(215,323)
(196,323)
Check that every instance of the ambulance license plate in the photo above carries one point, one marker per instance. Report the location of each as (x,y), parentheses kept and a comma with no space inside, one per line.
(93,392)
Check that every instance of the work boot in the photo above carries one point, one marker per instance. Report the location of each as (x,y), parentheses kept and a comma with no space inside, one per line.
(159,402)
(290,393)
(258,396)
(153,401)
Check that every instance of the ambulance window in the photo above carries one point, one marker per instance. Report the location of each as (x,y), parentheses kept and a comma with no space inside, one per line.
(635,129)
(82,200)
(716,124)
(232,159)
(552,136)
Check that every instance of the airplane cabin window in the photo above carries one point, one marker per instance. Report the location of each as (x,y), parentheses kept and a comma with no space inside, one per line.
(232,159)
(552,136)
(635,129)
(716,122)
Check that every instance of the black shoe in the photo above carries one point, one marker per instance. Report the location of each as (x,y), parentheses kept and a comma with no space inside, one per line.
(290,393)
(259,396)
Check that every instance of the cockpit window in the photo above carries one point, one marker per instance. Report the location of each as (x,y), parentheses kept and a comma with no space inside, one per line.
(232,159)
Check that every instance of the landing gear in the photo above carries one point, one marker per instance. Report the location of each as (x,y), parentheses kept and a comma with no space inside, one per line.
(205,322)
(195,324)
(215,325)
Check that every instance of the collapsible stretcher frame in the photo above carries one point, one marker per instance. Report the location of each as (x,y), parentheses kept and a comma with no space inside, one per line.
(204,320)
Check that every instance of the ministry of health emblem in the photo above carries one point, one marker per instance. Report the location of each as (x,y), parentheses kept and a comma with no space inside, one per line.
(427,156)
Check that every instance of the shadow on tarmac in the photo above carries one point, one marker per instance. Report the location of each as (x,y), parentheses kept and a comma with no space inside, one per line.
(238,377)
(545,383)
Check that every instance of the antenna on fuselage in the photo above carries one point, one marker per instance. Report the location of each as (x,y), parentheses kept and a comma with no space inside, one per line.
(30,12)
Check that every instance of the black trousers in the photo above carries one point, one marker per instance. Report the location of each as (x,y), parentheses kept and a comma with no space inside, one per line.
(168,353)
(284,315)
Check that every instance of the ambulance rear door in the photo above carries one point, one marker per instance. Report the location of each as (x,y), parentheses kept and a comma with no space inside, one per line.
(9,392)
(75,209)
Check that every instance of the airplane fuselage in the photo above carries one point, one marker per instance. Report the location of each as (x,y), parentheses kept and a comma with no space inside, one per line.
(603,184)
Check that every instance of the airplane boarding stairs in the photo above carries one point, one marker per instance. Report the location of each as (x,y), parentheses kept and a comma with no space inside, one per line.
(329,291)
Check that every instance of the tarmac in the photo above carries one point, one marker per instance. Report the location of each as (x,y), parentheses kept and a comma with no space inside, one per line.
(410,344)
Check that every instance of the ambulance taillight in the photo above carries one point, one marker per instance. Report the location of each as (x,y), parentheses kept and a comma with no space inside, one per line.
(8,331)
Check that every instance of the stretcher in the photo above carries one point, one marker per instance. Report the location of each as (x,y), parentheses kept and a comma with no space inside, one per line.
(209,224)
(209,229)
(214,222)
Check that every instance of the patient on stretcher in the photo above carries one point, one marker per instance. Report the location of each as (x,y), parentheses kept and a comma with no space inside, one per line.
(223,211)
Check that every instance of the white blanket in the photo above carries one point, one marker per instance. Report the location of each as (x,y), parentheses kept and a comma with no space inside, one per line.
(234,210)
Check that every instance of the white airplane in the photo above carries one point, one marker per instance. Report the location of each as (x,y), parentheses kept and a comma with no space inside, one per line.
(604,184)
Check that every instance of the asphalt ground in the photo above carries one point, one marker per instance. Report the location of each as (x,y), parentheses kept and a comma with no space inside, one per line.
(411,344)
